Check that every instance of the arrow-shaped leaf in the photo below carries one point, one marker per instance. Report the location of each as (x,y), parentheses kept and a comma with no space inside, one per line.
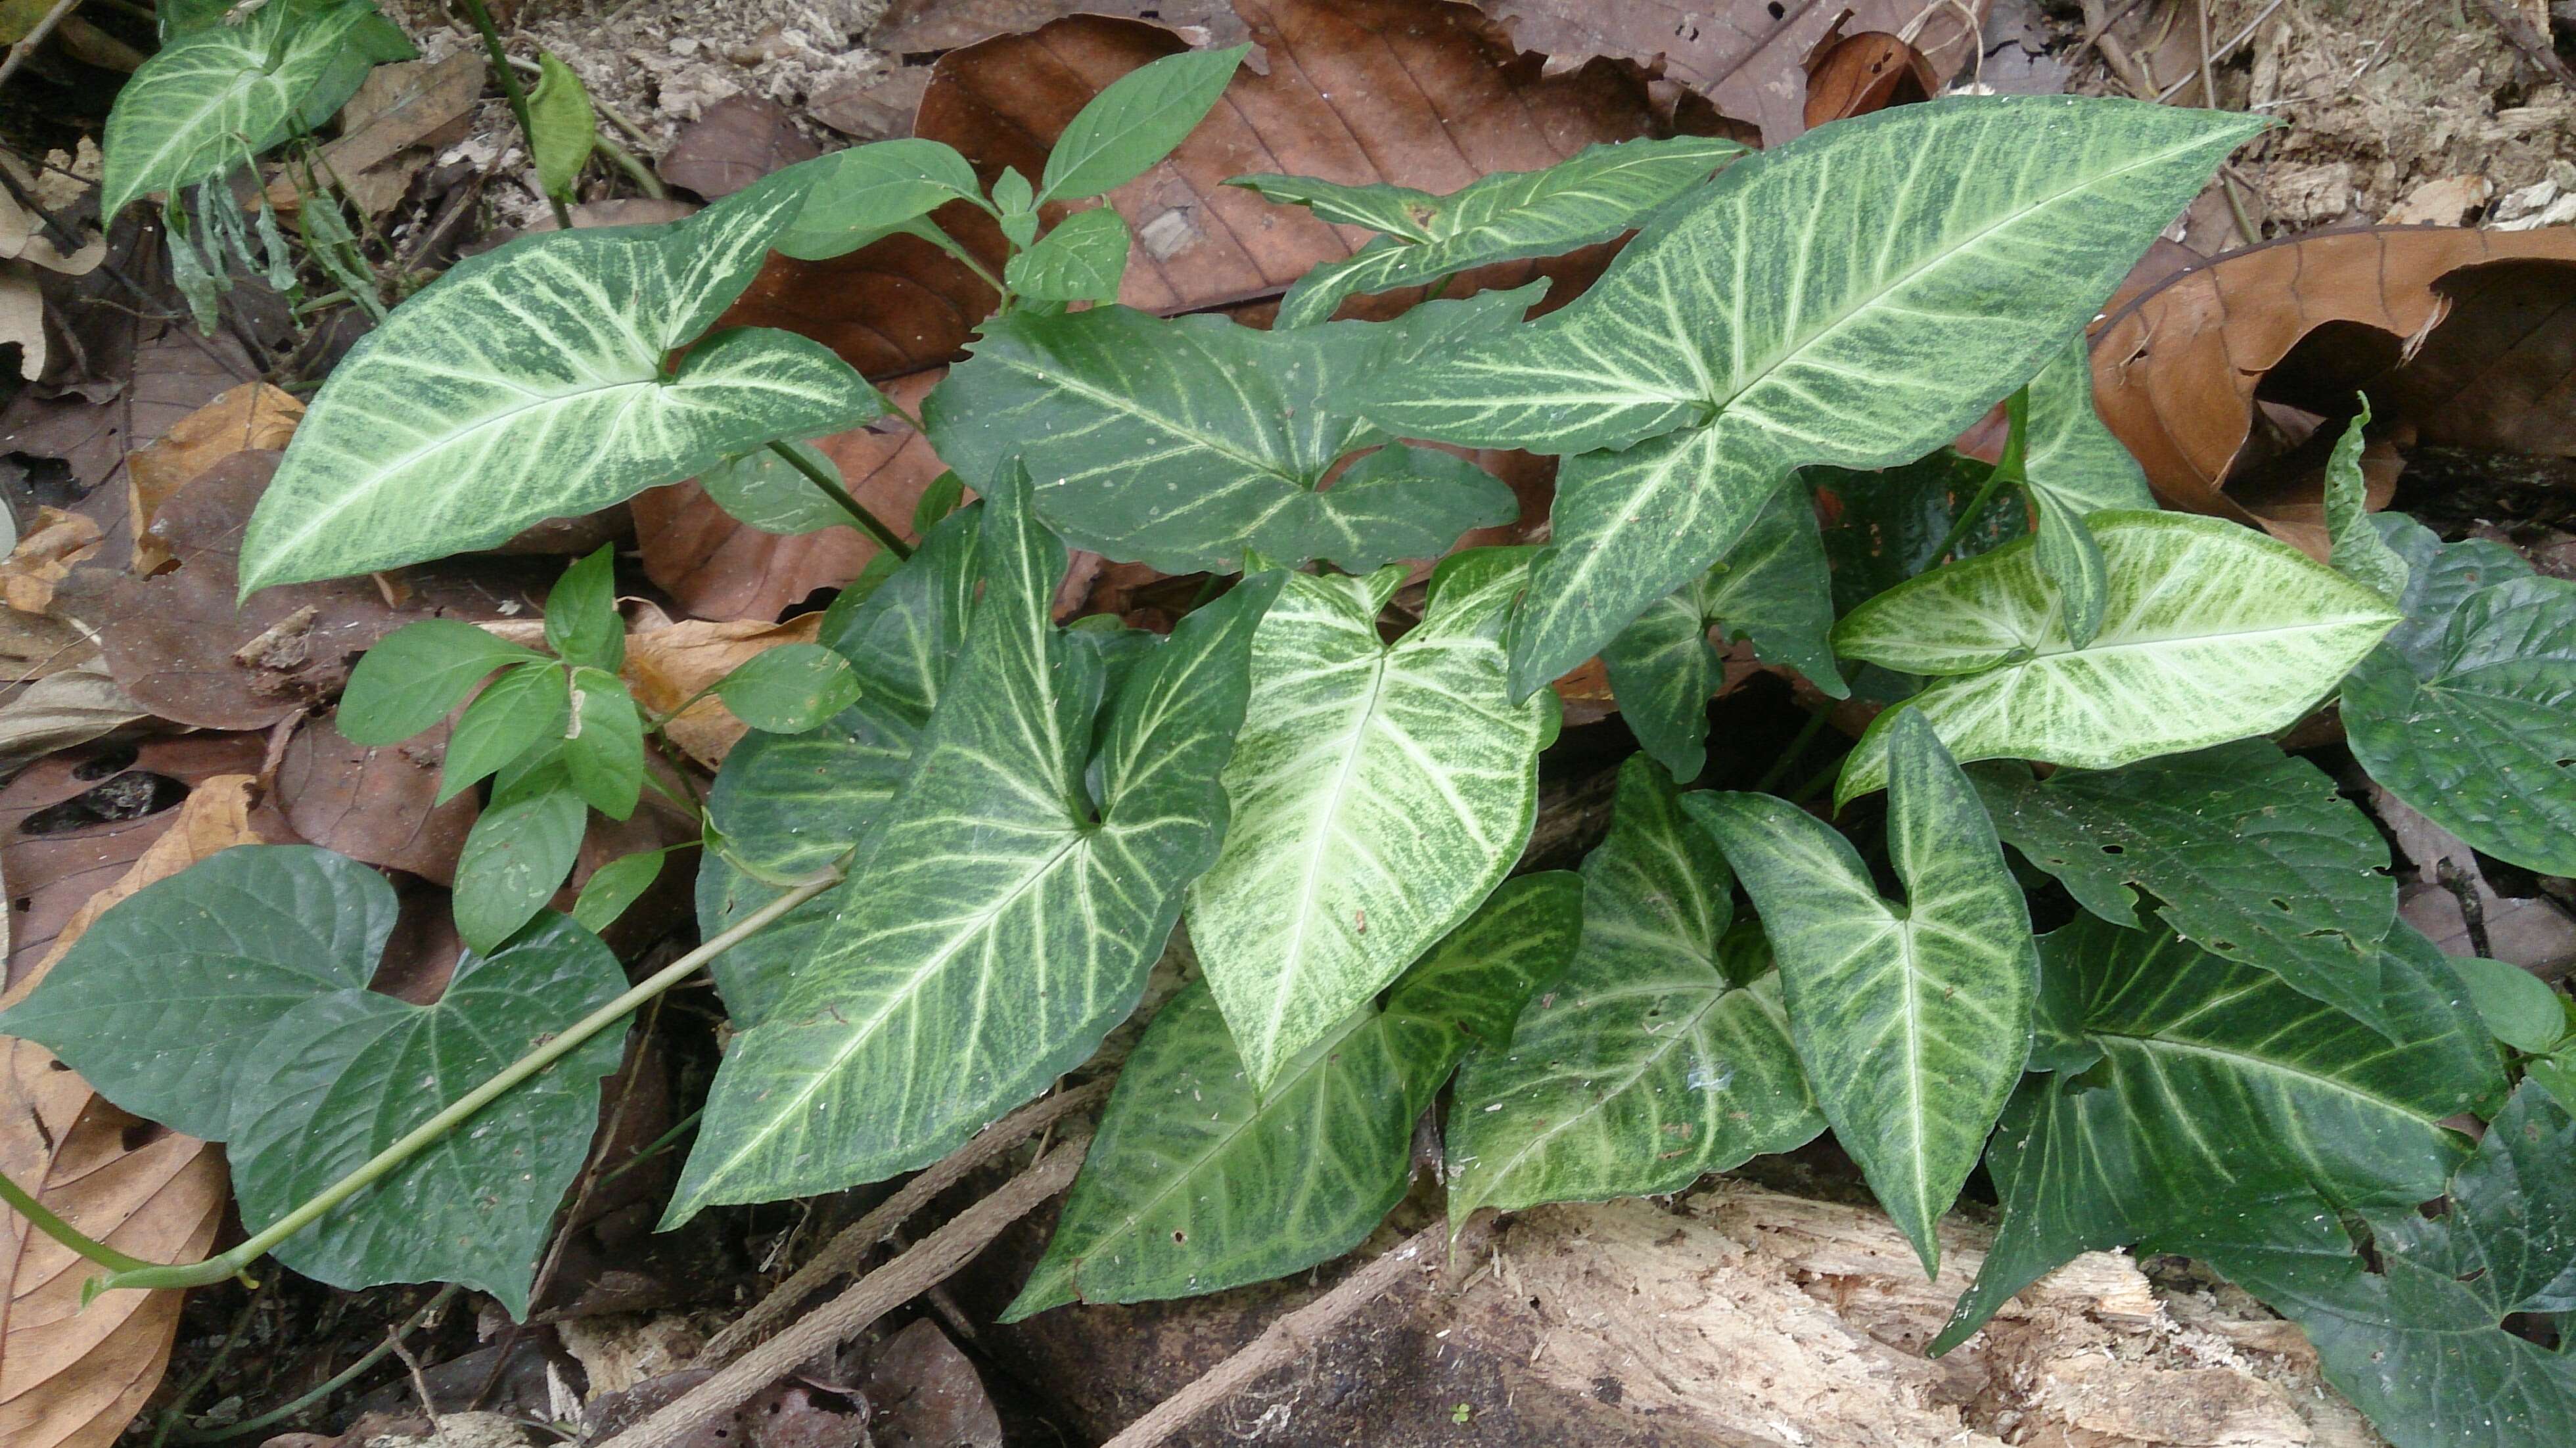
(1647,1063)
(1913,1022)
(1198,1183)
(1380,792)
(1003,913)
(2211,632)
(1971,237)
(529,383)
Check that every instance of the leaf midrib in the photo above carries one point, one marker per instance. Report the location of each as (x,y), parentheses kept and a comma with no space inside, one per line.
(1294,954)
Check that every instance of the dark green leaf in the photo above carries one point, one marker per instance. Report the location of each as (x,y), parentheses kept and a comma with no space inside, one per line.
(1646,1064)
(2520,1009)
(1889,524)
(1081,260)
(2252,853)
(582,622)
(2227,1109)
(413,676)
(562,128)
(868,192)
(524,708)
(766,491)
(943,497)
(1770,587)
(1913,1021)
(1197,1183)
(790,689)
(1134,122)
(614,886)
(603,753)
(515,858)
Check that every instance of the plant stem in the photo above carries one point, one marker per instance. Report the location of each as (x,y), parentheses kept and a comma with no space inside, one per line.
(1789,757)
(931,231)
(511,91)
(869,523)
(177,1412)
(626,162)
(328,1386)
(43,1220)
(2007,469)
(383,1163)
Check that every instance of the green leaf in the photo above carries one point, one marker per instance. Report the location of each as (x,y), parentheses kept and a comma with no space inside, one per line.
(790,689)
(1380,792)
(1913,1022)
(163,1003)
(515,713)
(413,676)
(1182,443)
(2211,632)
(869,192)
(2358,551)
(1590,196)
(603,753)
(1646,1064)
(515,858)
(562,129)
(1081,260)
(1771,587)
(942,497)
(347,1074)
(528,383)
(582,622)
(789,804)
(1003,912)
(1971,236)
(1197,1183)
(1135,121)
(2073,468)
(2520,1008)
(766,491)
(2251,853)
(230,1002)
(614,886)
(217,96)
(2226,1108)
(2468,712)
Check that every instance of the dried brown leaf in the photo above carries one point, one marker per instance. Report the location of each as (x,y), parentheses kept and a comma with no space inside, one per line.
(44,558)
(739,140)
(375,803)
(253,416)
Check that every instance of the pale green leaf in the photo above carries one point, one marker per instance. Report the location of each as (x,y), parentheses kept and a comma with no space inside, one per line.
(562,129)
(2520,1009)
(1183,442)
(514,714)
(1967,239)
(2225,1109)
(2468,712)
(582,622)
(2251,853)
(528,383)
(1135,121)
(2073,467)
(1913,1021)
(2211,632)
(1590,196)
(766,491)
(1198,1183)
(1081,260)
(515,858)
(2358,550)
(790,689)
(1646,1064)
(412,677)
(614,886)
(1771,587)
(1001,916)
(868,192)
(1380,792)
(218,95)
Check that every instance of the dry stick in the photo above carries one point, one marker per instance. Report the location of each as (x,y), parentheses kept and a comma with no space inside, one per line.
(27,44)
(1286,1340)
(850,1247)
(871,1297)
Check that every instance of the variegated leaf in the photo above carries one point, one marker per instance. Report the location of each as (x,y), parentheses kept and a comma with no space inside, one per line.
(1380,792)
(1658,1056)
(529,383)
(1969,238)
(1004,911)
(218,95)
(2072,468)
(1590,196)
(2211,632)
(1913,1021)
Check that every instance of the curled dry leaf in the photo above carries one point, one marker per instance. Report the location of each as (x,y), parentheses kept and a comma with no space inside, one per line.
(376,804)
(251,417)
(395,124)
(666,665)
(2459,336)
(1748,56)
(75,1376)
(44,558)
(61,710)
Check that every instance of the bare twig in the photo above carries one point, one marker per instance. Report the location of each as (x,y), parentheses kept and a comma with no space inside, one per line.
(850,1247)
(34,37)
(1289,1338)
(871,1297)
(2530,41)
